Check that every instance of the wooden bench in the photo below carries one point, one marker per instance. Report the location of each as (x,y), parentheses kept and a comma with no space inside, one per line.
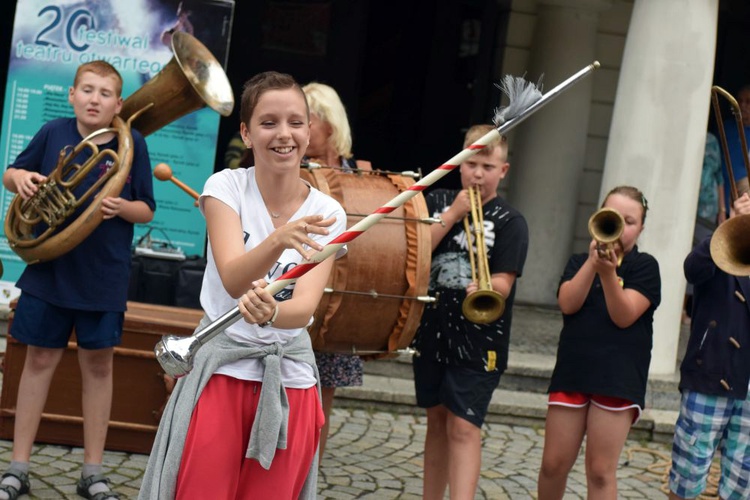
(140,386)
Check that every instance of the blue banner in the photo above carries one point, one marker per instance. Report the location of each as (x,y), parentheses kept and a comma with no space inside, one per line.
(52,38)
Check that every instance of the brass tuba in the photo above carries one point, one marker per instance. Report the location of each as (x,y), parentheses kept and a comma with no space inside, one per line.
(606,226)
(192,79)
(730,248)
(484,305)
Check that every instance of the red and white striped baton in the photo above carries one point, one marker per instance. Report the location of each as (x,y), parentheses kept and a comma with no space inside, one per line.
(175,354)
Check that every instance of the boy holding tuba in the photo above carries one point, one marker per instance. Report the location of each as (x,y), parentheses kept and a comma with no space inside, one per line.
(458,364)
(84,289)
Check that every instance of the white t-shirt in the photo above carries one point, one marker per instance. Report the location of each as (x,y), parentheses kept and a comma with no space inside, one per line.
(238,189)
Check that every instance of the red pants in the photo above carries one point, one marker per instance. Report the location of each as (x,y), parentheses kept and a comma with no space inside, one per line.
(213,461)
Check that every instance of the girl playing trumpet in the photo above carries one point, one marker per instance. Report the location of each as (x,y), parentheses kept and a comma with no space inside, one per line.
(598,385)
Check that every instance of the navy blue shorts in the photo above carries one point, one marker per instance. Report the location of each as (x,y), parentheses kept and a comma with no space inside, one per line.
(466,392)
(41,324)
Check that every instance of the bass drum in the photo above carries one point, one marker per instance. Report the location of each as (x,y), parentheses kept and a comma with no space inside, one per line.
(374,297)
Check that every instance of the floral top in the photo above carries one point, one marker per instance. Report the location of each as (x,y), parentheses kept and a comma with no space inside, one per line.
(711,177)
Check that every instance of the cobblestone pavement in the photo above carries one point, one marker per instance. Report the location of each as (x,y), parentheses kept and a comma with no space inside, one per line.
(378,455)
(375,455)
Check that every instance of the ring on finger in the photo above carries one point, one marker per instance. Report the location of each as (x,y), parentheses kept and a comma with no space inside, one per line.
(305,228)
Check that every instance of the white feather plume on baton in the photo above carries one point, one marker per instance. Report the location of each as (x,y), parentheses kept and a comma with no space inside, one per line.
(175,354)
(521,95)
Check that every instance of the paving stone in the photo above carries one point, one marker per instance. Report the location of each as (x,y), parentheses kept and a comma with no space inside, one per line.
(52,451)
(336,495)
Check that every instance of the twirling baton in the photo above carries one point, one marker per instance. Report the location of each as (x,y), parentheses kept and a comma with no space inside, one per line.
(175,354)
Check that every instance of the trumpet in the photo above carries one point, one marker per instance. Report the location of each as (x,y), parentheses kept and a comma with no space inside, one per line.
(606,226)
(729,245)
(484,305)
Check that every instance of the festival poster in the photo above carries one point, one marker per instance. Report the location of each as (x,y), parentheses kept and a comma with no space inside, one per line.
(51,38)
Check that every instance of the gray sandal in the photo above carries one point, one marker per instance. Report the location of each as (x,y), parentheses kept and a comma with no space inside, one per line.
(85,483)
(11,490)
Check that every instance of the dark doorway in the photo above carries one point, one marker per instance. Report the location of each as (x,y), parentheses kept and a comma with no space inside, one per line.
(412,74)
(427,78)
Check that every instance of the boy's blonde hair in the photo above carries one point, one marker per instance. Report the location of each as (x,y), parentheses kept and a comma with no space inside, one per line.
(326,104)
(100,68)
(478,131)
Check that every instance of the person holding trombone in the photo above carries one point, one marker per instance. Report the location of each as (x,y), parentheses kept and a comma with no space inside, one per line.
(458,363)
(715,372)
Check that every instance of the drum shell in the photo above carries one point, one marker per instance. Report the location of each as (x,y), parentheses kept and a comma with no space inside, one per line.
(390,258)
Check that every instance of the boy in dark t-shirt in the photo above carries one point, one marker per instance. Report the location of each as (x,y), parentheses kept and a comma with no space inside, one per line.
(84,289)
(459,363)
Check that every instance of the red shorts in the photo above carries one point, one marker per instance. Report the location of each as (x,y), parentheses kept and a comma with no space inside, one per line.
(581,400)
(213,461)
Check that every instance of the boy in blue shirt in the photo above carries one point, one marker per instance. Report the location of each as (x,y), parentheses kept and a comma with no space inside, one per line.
(84,289)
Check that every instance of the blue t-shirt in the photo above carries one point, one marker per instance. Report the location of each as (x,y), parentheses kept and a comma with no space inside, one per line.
(734,145)
(94,275)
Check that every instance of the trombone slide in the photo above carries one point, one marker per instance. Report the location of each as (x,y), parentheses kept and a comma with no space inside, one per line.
(729,248)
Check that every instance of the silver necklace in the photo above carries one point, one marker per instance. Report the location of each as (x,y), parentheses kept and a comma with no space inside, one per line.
(275,215)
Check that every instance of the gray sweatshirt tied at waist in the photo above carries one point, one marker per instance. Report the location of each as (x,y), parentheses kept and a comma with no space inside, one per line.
(269,430)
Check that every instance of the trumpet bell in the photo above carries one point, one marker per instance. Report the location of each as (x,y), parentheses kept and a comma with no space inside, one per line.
(483,306)
(730,248)
(606,225)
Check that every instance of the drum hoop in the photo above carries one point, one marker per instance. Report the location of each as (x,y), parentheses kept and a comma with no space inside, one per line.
(419,256)
(416,273)
(328,302)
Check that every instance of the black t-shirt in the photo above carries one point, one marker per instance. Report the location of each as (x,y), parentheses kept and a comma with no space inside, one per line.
(445,334)
(595,356)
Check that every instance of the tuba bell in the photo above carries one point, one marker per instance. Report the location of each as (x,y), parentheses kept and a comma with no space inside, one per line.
(484,305)
(37,228)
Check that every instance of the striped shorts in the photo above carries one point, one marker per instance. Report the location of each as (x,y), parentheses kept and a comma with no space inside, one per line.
(707,423)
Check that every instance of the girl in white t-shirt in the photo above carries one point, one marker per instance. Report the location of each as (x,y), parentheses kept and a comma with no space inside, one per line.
(254,430)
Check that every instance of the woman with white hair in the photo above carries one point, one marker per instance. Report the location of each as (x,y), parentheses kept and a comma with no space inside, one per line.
(331,145)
